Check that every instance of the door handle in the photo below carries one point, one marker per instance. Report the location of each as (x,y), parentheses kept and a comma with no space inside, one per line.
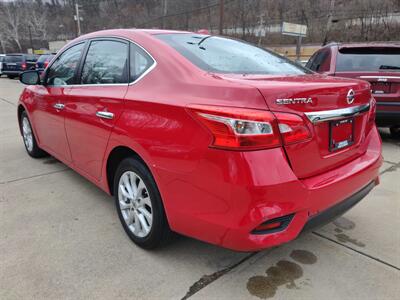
(59,106)
(105,115)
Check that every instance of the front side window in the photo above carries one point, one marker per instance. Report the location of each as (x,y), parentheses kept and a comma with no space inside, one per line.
(223,55)
(106,63)
(62,71)
(140,61)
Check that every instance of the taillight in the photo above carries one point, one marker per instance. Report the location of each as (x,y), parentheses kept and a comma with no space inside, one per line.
(45,64)
(293,128)
(238,128)
(23,66)
(372,110)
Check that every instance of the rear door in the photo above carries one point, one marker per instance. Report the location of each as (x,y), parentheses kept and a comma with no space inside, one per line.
(94,105)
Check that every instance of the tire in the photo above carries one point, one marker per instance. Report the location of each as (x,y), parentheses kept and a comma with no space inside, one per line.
(29,139)
(11,76)
(395,131)
(142,215)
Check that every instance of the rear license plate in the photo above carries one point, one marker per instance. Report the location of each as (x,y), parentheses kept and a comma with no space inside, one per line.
(341,134)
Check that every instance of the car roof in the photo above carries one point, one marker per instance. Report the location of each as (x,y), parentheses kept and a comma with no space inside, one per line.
(365,45)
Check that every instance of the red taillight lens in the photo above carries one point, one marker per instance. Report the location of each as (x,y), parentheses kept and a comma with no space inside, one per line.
(238,128)
(23,66)
(46,63)
(293,128)
(372,110)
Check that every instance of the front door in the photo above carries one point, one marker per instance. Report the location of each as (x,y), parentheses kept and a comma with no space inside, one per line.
(49,115)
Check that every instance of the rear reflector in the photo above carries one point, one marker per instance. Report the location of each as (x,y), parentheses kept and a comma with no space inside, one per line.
(273,225)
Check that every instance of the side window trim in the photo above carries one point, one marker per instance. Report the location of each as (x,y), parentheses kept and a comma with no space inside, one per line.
(59,55)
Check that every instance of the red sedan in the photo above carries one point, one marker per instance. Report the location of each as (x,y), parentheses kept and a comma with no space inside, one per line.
(205,136)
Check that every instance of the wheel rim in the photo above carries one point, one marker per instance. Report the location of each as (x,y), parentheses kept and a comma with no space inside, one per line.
(135,204)
(27,134)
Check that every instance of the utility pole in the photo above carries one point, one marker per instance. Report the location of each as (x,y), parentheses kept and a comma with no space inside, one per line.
(221,17)
(77,19)
(30,38)
(165,11)
(329,23)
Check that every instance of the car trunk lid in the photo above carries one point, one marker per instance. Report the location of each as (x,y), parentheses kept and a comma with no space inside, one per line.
(326,98)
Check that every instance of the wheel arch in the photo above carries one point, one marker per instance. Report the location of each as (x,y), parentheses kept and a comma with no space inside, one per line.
(116,155)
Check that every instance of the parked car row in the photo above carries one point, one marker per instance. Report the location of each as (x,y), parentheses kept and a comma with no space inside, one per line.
(12,65)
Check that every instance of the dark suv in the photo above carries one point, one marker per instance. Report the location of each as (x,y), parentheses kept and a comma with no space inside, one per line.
(378,64)
(15,64)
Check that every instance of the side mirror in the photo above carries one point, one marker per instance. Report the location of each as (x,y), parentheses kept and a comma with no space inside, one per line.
(30,77)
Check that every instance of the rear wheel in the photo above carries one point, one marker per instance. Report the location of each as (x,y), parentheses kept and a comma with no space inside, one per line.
(139,205)
(395,131)
(30,143)
(11,76)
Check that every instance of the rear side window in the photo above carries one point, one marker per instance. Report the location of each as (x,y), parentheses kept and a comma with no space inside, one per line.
(13,58)
(140,62)
(223,55)
(62,71)
(320,62)
(106,63)
(368,59)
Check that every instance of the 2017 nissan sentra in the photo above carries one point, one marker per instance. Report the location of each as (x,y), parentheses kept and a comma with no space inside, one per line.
(202,135)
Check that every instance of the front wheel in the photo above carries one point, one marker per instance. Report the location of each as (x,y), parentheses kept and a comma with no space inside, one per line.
(30,143)
(395,131)
(139,205)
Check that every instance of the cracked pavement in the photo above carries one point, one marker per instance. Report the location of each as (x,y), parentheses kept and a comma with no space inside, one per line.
(60,238)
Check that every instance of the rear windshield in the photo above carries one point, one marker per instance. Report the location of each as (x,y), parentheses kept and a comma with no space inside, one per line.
(43,58)
(222,55)
(13,58)
(368,59)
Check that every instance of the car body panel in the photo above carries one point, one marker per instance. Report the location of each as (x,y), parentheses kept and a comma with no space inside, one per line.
(214,195)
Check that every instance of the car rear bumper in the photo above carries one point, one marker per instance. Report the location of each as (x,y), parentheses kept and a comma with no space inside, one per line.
(12,73)
(263,188)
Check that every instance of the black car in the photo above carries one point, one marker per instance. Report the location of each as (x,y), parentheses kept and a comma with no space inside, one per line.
(15,64)
(43,61)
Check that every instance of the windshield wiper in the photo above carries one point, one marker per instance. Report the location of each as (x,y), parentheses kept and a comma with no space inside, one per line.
(389,67)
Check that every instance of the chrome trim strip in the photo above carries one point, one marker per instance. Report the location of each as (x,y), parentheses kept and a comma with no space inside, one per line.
(335,114)
(380,76)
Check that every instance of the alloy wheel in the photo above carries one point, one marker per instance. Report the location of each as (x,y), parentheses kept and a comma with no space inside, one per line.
(135,204)
(27,134)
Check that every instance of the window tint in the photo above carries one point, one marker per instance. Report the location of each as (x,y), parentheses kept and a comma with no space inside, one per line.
(106,62)
(13,58)
(140,61)
(368,59)
(62,71)
(223,55)
(320,62)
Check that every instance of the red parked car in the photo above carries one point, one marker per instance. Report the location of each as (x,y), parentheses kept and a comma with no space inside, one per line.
(205,136)
(378,64)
